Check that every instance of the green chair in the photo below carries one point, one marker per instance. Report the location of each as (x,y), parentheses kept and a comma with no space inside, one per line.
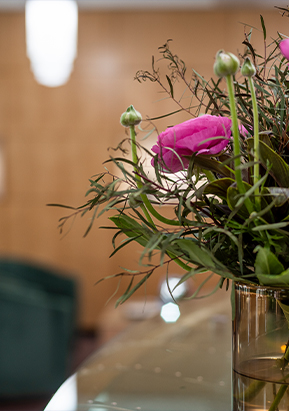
(37,328)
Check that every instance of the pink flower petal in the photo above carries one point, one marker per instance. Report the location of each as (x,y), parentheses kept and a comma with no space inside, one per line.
(284,48)
(202,135)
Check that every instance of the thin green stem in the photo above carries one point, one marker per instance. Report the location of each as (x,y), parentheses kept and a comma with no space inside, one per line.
(146,206)
(251,391)
(278,397)
(153,212)
(283,387)
(256,176)
(137,177)
(210,176)
(236,141)
(146,203)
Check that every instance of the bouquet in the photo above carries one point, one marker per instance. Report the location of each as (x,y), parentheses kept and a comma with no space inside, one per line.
(224,172)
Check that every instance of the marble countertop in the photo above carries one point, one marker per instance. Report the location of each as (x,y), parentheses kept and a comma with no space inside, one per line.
(158,366)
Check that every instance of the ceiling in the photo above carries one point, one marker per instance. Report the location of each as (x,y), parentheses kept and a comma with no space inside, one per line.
(18,5)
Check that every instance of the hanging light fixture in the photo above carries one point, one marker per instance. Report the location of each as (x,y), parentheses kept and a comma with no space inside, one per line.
(51,39)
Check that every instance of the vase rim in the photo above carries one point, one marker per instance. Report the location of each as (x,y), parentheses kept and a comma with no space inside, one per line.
(239,285)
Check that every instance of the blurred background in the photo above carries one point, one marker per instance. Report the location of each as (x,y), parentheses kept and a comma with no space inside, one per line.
(53,139)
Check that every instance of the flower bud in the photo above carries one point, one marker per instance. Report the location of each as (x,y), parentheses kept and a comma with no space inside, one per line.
(248,69)
(226,64)
(130,117)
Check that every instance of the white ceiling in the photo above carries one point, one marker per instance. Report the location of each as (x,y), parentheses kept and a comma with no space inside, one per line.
(17,5)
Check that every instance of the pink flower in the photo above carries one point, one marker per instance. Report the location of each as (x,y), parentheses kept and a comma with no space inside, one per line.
(243,131)
(192,136)
(284,48)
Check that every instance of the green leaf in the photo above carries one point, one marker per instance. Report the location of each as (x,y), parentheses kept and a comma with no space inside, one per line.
(280,194)
(275,280)
(274,226)
(127,241)
(132,228)
(130,291)
(152,244)
(213,165)
(267,263)
(171,86)
(62,206)
(196,254)
(233,196)
(263,27)
(200,287)
(279,168)
(219,187)
(269,270)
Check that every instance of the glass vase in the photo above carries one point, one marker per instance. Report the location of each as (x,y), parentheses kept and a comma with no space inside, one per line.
(260,349)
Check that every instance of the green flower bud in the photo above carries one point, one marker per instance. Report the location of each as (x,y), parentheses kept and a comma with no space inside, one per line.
(130,117)
(226,64)
(248,69)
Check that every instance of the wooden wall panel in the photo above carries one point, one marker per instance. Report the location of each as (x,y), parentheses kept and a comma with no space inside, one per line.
(55,139)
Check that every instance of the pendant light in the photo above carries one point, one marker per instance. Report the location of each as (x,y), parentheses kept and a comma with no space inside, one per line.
(51,39)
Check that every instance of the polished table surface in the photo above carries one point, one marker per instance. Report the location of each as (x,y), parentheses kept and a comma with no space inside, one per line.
(158,366)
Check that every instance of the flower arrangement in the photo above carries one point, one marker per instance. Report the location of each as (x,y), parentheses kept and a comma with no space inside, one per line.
(225,171)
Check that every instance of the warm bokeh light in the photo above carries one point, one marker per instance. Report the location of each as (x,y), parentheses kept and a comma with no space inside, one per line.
(283,348)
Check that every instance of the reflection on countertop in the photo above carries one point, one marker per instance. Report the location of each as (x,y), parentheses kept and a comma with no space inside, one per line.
(158,366)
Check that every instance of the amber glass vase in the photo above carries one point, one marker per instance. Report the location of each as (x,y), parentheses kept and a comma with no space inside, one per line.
(260,349)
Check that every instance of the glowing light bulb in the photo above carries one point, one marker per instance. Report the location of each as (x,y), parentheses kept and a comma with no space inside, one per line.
(51,39)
